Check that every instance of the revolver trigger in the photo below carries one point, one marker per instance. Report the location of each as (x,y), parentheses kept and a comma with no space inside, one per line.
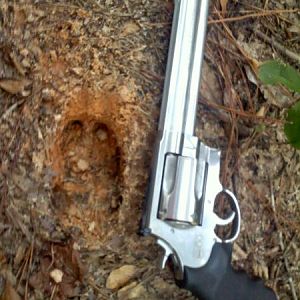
(224,222)
(168,252)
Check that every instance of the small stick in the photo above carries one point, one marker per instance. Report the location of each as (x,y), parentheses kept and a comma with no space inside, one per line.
(278,46)
(52,258)
(265,120)
(91,282)
(255,15)
(53,292)
(11,109)
(27,258)
(29,268)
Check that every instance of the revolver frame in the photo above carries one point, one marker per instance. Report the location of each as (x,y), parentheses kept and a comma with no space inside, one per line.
(185,172)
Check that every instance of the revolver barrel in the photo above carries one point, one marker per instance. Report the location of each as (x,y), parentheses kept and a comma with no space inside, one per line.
(183,72)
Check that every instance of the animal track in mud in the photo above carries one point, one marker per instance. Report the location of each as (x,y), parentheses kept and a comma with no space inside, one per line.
(87,195)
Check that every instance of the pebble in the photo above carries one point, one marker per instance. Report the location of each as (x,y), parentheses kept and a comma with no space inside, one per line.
(26,63)
(82,165)
(92,226)
(57,275)
(120,277)
(102,134)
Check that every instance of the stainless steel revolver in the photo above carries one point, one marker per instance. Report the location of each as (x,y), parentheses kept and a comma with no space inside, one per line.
(185,177)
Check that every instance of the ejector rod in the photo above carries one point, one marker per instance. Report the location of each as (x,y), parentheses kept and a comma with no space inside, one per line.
(179,103)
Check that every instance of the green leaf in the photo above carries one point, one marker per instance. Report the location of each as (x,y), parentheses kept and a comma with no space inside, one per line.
(292,127)
(274,72)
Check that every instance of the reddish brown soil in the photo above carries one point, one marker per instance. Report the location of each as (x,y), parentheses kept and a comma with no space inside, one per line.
(86,160)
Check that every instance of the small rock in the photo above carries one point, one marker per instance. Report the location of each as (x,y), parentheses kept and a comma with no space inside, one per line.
(76,246)
(102,134)
(92,226)
(26,63)
(71,153)
(57,275)
(119,277)
(26,35)
(57,117)
(24,52)
(53,55)
(82,165)
(78,70)
(48,94)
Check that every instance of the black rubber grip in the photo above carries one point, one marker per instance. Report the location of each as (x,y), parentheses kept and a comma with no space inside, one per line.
(217,280)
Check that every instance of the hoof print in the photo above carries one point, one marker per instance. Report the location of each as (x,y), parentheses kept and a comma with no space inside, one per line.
(87,156)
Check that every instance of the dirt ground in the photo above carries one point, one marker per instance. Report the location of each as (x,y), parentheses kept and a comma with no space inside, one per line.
(80,90)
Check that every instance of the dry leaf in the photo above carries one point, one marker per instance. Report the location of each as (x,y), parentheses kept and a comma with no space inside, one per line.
(224,5)
(9,293)
(14,86)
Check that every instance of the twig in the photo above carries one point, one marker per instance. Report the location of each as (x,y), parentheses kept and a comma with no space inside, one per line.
(263,13)
(252,62)
(241,113)
(255,15)
(52,258)
(53,292)
(278,46)
(11,109)
(27,258)
(91,282)
(266,4)
(16,219)
(255,8)
(29,268)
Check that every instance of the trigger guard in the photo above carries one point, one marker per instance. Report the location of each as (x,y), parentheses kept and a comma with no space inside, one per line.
(235,218)
(224,222)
